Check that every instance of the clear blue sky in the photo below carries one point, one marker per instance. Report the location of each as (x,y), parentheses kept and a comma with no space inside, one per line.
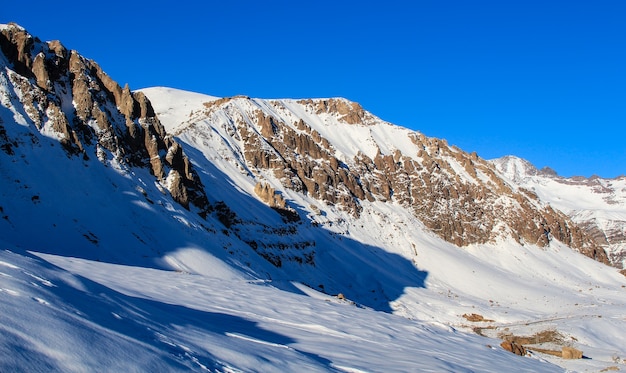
(543,80)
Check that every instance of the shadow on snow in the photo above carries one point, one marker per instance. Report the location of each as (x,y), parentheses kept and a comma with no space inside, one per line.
(82,208)
(179,338)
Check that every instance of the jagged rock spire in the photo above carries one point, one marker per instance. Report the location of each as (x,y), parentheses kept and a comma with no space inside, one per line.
(90,113)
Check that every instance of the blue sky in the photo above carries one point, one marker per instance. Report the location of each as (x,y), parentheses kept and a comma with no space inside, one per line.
(543,80)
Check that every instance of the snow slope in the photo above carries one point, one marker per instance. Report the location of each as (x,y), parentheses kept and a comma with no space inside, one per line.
(100,270)
(153,320)
(175,105)
(511,284)
(594,201)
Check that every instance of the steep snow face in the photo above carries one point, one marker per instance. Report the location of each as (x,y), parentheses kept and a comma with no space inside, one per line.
(597,204)
(515,169)
(175,104)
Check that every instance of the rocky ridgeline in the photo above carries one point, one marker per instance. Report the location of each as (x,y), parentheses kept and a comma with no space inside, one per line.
(604,221)
(457,195)
(70,97)
(348,112)
(611,234)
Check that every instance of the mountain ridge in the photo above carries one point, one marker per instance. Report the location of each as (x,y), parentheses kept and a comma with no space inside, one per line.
(596,203)
(71,101)
(420,173)
(311,245)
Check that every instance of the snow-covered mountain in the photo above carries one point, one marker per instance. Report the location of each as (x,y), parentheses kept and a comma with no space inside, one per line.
(179,231)
(596,204)
(337,153)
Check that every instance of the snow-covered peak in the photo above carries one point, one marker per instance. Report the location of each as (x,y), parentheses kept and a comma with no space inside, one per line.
(5,26)
(514,168)
(595,203)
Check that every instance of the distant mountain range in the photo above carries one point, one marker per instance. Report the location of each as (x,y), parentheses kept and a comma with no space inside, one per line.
(315,197)
(597,205)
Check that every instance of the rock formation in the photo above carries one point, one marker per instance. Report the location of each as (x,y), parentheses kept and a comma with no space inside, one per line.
(514,348)
(70,97)
(457,195)
(571,353)
(596,204)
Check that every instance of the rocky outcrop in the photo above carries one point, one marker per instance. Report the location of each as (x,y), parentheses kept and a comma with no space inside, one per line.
(17,45)
(599,208)
(513,347)
(469,209)
(71,97)
(269,195)
(571,353)
(300,158)
(457,195)
(349,112)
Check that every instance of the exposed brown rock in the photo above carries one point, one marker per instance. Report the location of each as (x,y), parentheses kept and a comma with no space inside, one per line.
(300,162)
(269,195)
(474,317)
(177,188)
(513,347)
(457,195)
(17,45)
(40,72)
(104,116)
(546,351)
(349,112)
(267,124)
(571,353)
(59,123)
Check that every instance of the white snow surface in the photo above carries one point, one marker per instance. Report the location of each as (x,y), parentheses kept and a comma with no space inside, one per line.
(596,200)
(82,315)
(173,105)
(604,196)
(101,271)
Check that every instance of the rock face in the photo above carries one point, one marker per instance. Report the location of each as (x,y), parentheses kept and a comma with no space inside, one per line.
(269,196)
(69,97)
(337,153)
(596,204)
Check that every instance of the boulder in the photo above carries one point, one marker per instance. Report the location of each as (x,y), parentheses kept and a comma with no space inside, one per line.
(571,353)
(514,348)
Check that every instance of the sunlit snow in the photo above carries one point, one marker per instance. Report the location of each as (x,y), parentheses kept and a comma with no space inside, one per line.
(101,271)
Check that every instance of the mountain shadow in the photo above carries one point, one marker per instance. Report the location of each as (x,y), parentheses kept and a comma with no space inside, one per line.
(308,252)
(83,208)
(161,334)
